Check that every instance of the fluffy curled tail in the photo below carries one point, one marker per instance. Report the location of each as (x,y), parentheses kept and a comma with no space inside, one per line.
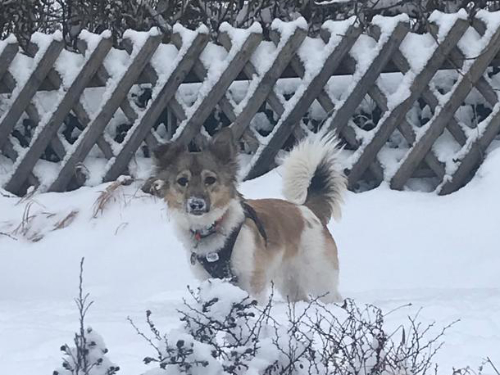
(312,176)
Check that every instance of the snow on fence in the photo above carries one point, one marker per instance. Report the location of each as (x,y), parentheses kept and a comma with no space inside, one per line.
(418,84)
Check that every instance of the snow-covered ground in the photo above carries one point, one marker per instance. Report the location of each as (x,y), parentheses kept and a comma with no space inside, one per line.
(441,254)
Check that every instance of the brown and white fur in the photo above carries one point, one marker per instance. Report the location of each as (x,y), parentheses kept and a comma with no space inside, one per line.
(300,255)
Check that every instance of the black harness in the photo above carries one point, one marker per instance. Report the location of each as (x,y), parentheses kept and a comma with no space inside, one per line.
(218,264)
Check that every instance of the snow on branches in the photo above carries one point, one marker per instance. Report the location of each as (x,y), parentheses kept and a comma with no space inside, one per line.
(88,356)
(223,331)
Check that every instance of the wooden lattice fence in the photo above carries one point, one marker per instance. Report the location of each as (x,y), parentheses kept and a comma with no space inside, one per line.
(363,59)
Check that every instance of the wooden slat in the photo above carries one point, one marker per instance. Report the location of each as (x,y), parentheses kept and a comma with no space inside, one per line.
(6,57)
(102,76)
(138,132)
(407,131)
(130,113)
(457,57)
(126,105)
(456,131)
(341,117)
(478,147)
(287,73)
(34,116)
(267,81)
(264,159)
(78,109)
(191,127)
(11,153)
(89,136)
(49,130)
(472,159)
(428,95)
(29,89)
(347,133)
(274,101)
(438,123)
(384,130)
(201,72)
(326,102)
(81,114)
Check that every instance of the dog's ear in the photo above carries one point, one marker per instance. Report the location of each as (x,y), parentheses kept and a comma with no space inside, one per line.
(166,153)
(223,146)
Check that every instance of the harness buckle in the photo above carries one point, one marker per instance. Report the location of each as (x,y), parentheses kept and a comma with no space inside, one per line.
(212,257)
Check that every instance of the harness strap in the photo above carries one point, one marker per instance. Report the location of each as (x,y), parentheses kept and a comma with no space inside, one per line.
(218,264)
(251,214)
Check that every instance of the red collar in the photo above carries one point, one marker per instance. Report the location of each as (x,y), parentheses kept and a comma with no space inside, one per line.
(200,234)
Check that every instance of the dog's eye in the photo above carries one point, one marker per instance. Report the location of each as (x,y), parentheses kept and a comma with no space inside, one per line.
(210,180)
(183,181)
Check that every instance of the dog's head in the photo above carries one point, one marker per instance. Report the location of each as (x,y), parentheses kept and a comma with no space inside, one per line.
(198,183)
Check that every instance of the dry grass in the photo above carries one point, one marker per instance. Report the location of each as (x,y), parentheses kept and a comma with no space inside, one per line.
(66,221)
(35,225)
(24,226)
(109,195)
(8,235)
(28,196)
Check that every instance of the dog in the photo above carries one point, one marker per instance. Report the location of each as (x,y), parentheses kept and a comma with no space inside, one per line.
(256,242)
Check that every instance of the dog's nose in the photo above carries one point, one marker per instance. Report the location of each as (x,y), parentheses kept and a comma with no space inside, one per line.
(196,206)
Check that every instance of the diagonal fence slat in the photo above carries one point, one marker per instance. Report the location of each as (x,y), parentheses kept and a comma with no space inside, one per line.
(173,105)
(81,114)
(102,76)
(393,118)
(8,54)
(201,72)
(33,114)
(138,132)
(474,155)
(437,124)
(347,133)
(478,146)
(89,136)
(290,59)
(24,165)
(265,156)
(29,89)
(407,131)
(342,115)
(267,80)
(191,127)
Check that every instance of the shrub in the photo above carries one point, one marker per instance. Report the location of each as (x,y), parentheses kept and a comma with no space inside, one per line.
(223,331)
(88,356)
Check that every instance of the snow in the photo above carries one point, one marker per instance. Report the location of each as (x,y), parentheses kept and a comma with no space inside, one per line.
(491,19)
(437,253)
(445,21)
(216,60)
(418,49)
(473,44)
(312,68)
(22,66)
(164,61)
(286,29)
(266,54)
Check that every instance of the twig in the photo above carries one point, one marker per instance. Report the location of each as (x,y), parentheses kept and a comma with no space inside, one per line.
(8,235)
(490,362)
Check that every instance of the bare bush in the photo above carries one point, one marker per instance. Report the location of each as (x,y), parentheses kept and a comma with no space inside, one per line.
(88,355)
(224,331)
(24,17)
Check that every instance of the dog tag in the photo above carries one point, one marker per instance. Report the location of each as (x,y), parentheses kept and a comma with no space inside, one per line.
(212,257)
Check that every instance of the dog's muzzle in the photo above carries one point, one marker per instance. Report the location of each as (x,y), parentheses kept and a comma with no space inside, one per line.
(196,206)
